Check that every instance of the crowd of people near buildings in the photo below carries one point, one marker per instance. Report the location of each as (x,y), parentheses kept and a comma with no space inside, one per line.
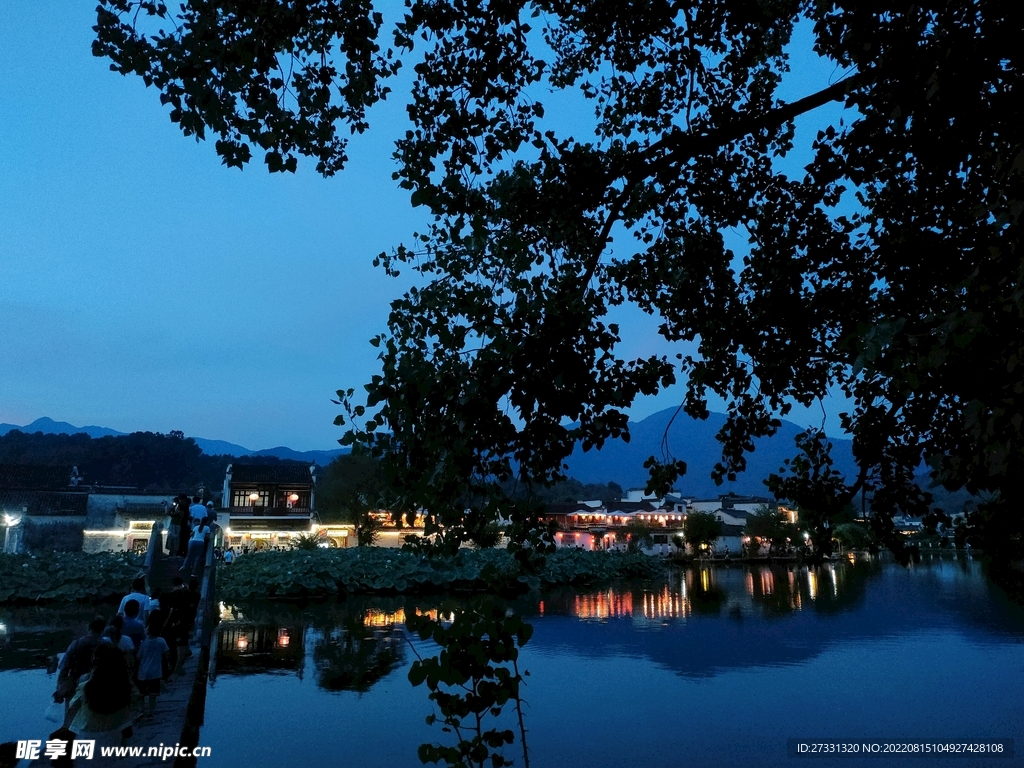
(191,527)
(110,678)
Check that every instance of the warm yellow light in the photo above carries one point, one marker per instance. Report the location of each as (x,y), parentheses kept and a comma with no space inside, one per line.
(243,643)
(283,639)
(294,497)
(253,496)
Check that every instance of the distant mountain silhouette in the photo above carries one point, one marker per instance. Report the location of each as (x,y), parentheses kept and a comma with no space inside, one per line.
(694,442)
(221,447)
(210,447)
(48,426)
(322,458)
(691,440)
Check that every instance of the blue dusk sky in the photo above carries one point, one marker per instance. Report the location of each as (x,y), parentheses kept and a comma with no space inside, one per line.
(144,286)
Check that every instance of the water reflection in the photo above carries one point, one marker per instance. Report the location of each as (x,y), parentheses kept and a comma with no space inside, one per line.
(764,635)
(866,647)
(247,648)
(31,637)
(363,649)
(758,590)
(351,645)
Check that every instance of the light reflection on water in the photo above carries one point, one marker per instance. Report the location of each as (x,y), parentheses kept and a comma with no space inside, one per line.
(714,666)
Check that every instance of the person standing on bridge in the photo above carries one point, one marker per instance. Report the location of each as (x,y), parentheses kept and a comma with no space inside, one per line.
(184,523)
(197,511)
(151,662)
(133,624)
(77,661)
(175,631)
(139,595)
(100,708)
(114,634)
(196,548)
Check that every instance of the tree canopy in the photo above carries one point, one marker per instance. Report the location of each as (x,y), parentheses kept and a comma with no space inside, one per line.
(889,269)
(701,529)
(148,461)
(144,460)
(353,489)
(771,524)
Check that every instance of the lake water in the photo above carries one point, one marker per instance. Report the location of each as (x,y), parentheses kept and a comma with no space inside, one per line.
(715,667)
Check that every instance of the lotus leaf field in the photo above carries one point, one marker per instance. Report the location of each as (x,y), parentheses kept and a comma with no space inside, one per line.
(298,574)
(339,572)
(66,577)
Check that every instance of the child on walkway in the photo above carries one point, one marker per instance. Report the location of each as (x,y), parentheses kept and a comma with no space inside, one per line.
(150,666)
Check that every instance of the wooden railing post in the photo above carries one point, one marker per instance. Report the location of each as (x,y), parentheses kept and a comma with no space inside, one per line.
(207,598)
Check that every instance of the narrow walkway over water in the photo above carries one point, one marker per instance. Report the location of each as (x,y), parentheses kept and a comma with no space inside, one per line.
(180,707)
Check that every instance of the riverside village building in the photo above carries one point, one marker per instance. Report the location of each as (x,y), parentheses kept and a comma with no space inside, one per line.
(266,506)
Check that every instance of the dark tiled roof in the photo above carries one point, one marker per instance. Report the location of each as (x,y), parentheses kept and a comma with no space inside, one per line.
(563,508)
(271,474)
(740,513)
(144,511)
(729,500)
(45,503)
(632,506)
(34,477)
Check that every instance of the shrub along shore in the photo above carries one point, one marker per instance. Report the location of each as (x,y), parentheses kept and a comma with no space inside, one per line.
(318,574)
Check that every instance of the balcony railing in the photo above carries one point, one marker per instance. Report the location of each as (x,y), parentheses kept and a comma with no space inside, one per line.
(270,512)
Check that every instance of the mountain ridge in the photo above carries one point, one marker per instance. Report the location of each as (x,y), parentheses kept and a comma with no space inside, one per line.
(688,439)
(48,426)
(694,442)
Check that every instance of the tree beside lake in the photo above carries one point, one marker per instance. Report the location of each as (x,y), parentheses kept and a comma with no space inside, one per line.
(857,235)
(701,530)
(885,267)
(353,489)
(769,524)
